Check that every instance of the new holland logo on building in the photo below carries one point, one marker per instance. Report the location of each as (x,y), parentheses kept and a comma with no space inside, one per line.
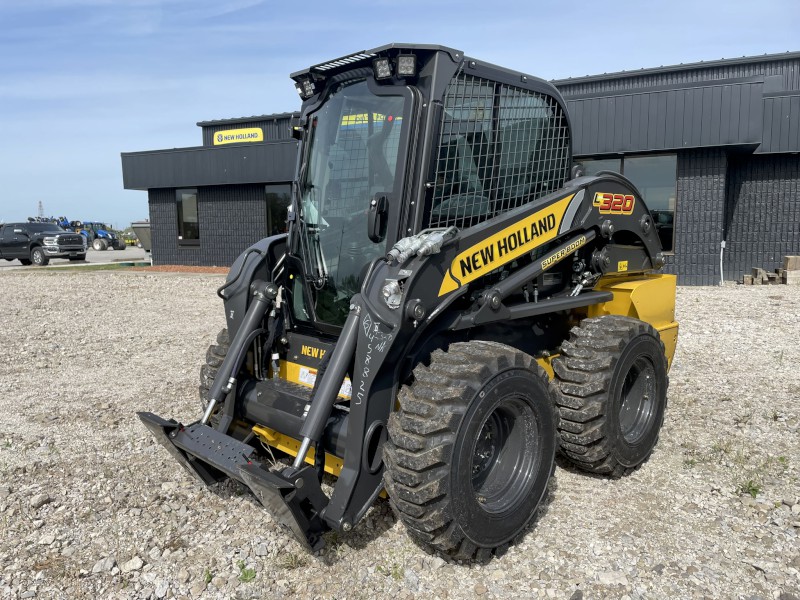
(237,136)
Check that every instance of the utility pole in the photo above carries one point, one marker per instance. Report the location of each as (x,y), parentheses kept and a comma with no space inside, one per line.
(41,210)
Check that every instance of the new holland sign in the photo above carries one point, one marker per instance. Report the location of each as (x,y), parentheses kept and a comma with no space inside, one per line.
(237,136)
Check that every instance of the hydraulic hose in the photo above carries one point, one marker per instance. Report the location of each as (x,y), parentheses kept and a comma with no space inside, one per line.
(263,295)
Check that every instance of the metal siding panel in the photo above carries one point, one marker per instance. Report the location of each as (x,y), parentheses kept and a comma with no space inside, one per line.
(670,140)
(785,116)
(788,68)
(725,136)
(736,111)
(705,126)
(636,117)
(766,140)
(661,121)
(756,108)
(702,116)
(794,124)
(716,113)
(651,104)
(575,111)
(619,117)
(695,105)
(609,125)
(602,111)
(627,116)
(644,111)
(680,116)
(210,166)
(744,112)
(587,128)
(594,126)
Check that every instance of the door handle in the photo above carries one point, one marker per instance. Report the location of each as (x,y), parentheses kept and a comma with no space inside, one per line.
(377,217)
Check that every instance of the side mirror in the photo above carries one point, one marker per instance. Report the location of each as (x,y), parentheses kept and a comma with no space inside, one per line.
(377,217)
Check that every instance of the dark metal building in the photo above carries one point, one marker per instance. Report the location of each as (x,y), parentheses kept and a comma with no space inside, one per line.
(209,203)
(712,146)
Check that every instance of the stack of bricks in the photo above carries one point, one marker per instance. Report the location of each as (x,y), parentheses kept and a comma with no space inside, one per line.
(788,275)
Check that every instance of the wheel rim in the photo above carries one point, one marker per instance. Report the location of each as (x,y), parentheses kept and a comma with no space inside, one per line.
(638,400)
(505,455)
(37,257)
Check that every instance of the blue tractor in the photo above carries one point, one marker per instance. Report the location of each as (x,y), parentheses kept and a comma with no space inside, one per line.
(98,235)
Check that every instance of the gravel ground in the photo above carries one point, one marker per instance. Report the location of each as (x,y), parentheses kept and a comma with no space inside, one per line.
(92,507)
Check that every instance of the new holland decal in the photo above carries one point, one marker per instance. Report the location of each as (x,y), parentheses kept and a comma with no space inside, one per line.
(237,136)
(504,246)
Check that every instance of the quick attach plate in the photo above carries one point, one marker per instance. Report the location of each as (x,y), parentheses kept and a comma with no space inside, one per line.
(205,452)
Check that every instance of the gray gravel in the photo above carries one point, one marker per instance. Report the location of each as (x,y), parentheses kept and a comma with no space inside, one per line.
(92,507)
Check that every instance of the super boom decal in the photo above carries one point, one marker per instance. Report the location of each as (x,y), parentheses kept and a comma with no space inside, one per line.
(505,245)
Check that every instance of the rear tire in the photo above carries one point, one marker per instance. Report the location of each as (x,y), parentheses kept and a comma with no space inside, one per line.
(215,354)
(471,449)
(99,244)
(612,375)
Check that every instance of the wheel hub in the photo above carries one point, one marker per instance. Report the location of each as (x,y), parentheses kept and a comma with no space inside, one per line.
(638,400)
(504,455)
(485,448)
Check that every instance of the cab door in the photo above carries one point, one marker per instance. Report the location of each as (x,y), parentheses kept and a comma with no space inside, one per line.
(12,244)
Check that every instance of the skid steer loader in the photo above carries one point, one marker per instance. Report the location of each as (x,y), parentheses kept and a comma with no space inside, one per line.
(453,304)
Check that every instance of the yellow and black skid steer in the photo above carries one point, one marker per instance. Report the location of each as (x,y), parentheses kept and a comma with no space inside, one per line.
(453,303)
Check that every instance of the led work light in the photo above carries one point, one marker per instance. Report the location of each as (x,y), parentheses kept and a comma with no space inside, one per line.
(406,65)
(306,88)
(382,68)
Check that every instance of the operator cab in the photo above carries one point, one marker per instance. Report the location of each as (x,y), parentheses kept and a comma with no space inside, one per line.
(403,138)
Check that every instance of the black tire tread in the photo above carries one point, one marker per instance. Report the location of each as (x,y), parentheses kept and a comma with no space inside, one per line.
(214,356)
(423,431)
(583,372)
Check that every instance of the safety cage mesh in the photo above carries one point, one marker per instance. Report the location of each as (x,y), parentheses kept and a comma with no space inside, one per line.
(500,147)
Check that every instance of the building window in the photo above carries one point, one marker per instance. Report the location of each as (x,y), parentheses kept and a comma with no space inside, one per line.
(188,221)
(656,178)
(593,167)
(278,200)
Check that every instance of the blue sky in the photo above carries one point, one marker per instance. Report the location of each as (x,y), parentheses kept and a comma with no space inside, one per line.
(83,80)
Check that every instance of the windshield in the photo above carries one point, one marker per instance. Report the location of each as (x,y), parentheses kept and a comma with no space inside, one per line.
(43,227)
(354,151)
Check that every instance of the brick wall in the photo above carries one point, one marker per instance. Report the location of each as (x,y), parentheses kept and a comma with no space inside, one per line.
(231,219)
(698,217)
(763,212)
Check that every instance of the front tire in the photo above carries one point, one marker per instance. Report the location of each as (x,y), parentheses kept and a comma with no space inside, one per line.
(612,375)
(215,354)
(38,257)
(471,449)
(99,244)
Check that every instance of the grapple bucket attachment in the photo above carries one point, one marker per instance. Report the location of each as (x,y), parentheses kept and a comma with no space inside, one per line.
(293,496)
